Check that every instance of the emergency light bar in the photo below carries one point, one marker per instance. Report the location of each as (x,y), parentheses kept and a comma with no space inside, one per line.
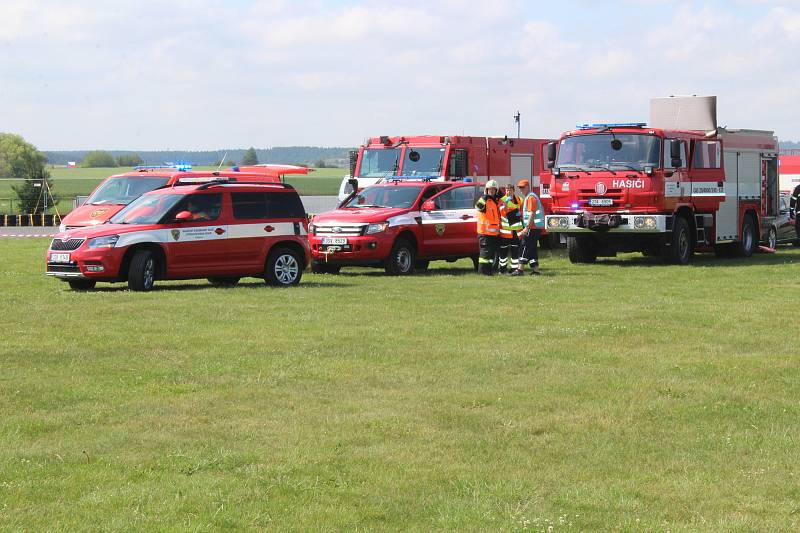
(588,126)
(176,166)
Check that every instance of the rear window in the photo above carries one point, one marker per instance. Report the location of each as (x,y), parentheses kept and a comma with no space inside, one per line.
(253,205)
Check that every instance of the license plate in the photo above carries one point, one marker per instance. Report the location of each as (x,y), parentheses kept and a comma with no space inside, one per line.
(59,258)
(601,201)
(334,240)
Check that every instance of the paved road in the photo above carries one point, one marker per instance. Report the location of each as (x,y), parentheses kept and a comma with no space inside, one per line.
(313,205)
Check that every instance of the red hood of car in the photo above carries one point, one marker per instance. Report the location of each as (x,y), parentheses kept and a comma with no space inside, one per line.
(102,230)
(91,215)
(356,215)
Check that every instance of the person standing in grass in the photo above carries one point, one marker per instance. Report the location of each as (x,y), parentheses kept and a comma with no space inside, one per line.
(533,224)
(510,226)
(488,227)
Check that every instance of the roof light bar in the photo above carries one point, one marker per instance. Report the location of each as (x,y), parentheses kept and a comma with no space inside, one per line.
(173,166)
(591,126)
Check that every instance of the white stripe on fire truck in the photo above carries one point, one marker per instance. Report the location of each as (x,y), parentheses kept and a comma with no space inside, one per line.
(209,233)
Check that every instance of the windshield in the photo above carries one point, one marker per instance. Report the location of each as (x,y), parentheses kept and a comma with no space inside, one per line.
(379,163)
(607,151)
(385,197)
(148,209)
(423,162)
(122,191)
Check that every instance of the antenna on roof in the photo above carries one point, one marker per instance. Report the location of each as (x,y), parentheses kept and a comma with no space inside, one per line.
(222,160)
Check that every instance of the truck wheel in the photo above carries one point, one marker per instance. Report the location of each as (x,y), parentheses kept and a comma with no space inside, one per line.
(772,238)
(320,267)
(283,268)
(142,272)
(747,242)
(224,282)
(475,262)
(81,284)
(401,260)
(421,264)
(581,249)
(680,249)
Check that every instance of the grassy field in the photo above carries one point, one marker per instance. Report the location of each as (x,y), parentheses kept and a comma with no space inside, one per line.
(71,182)
(625,395)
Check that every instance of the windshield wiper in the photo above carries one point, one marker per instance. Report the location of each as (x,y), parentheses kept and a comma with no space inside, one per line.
(626,165)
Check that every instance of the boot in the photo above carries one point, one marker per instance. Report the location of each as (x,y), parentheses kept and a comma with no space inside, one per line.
(535,270)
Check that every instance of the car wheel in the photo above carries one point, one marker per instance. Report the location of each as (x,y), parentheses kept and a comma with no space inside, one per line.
(224,282)
(283,268)
(81,284)
(475,262)
(747,243)
(401,259)
(320,267)
(681,248)
(772,238)
(142,271)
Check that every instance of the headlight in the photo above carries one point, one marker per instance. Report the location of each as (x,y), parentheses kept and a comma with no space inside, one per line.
(644,222)
(312,229)
(553,222)
(563,222)
(62,227)
(377,228)
(104,242)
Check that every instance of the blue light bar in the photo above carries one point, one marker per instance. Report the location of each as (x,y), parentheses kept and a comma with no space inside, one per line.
(588,126)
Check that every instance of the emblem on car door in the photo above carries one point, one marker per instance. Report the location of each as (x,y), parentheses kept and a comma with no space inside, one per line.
(439,229)
(176,234)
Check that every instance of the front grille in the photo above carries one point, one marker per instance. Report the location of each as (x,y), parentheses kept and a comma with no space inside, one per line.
(64,269)
(73,227)
(69,244)
(350,230)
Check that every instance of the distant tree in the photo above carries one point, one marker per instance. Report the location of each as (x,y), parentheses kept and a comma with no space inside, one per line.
(131,160)
(98,158)
(250,157)
(21,160)
(321,164)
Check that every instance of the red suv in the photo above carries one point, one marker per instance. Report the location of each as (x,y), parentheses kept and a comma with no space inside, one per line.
(400,225)
(217,230)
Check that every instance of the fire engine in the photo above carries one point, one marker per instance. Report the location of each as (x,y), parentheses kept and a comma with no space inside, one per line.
(115,192)
(445,158)
(674,187)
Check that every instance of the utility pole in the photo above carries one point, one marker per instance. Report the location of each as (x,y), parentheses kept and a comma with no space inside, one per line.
(516,119)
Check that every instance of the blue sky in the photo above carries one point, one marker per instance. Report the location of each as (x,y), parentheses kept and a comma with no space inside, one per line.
(206,74)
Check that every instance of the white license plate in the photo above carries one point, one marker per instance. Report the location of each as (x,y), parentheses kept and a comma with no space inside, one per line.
(334,240)
(59,258)
(601,201)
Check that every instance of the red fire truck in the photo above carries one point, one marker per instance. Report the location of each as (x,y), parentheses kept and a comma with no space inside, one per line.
(671,188)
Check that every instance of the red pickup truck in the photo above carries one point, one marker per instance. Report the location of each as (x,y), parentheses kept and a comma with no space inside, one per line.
(400,225)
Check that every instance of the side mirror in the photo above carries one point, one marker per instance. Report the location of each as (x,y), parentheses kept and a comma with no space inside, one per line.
(353,182)
(183,216)
(551,155)
(428,205)
(353,161)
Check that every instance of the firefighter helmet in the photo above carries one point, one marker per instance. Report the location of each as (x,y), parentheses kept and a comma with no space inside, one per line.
(491,184)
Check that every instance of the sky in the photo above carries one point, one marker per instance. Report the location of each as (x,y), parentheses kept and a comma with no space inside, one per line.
(206,74)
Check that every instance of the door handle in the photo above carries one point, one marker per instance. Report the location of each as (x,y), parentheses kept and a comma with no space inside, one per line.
(465,217)
(269,229)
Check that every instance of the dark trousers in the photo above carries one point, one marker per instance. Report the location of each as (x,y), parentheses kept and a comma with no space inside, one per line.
(530,252)
(488,248)
(509,249)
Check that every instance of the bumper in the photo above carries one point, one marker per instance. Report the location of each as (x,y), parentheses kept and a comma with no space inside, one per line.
(86,264)
(608,222)
(361,250)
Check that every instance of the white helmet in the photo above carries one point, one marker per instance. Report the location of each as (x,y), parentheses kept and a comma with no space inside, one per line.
(490,184)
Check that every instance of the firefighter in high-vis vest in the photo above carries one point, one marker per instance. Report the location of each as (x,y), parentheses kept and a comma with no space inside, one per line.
(794,209)
(488,227)
(533,222)
(510,226)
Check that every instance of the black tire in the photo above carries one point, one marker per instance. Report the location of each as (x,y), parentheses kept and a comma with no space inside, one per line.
(142,271)
(581,249)
(421,265)
(320,267)
(401,259)
(475,262)
(284,268)
(224,282)
(680,247)
(772,237)
(81,284)
(749,238)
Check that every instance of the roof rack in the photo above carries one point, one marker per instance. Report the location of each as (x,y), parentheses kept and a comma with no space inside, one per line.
(397,179)
(202,180)
(233,181)
(172,166)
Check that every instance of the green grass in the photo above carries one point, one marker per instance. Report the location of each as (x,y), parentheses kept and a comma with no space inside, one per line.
(624,395)
(71,182)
